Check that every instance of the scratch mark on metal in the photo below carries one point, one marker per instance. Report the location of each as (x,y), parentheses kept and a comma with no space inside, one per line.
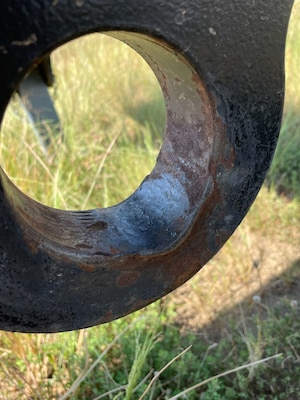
(27,42)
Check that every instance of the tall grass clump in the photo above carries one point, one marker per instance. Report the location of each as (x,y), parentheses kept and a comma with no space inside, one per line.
(284,174)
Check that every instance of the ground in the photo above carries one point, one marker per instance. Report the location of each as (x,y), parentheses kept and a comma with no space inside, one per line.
(256,269)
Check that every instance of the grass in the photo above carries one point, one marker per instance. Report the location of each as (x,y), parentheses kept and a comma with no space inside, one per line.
(106,122)
(231,332)
(284,173)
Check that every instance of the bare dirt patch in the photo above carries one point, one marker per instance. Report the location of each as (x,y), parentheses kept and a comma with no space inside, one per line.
(252,270)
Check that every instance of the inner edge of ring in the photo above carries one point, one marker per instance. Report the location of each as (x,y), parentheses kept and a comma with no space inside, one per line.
(161,211)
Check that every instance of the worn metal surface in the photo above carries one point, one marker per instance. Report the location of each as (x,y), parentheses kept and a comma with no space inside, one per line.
(221,67)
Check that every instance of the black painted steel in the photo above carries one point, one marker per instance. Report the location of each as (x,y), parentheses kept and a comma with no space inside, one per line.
(221,67)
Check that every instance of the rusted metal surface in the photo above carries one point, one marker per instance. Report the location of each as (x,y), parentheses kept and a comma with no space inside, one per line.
(221,69)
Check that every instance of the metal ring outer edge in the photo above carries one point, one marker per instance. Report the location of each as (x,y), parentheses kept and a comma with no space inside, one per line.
(231,58)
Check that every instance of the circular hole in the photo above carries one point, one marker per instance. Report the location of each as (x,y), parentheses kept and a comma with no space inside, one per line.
(112,116)
(160,211)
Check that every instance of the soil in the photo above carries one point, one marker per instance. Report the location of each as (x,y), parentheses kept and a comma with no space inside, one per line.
(250,276)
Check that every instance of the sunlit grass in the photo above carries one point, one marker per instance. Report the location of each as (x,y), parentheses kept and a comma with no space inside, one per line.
(111,139)
(284,174)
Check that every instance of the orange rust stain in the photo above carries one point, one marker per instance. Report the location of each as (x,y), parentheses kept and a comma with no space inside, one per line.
(128,279)
(31,244)
(87,268)
(215,128)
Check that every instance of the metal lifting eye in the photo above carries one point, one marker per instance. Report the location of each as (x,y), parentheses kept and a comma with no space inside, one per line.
(63,270)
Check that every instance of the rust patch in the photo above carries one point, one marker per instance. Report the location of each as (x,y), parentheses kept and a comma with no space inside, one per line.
(128,279)
(31,244)
(87,268)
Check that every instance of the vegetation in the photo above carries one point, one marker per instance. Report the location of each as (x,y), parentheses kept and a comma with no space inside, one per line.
(285,171)
(233,331)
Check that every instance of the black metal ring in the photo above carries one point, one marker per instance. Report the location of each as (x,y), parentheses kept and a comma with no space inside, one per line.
(220,66)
